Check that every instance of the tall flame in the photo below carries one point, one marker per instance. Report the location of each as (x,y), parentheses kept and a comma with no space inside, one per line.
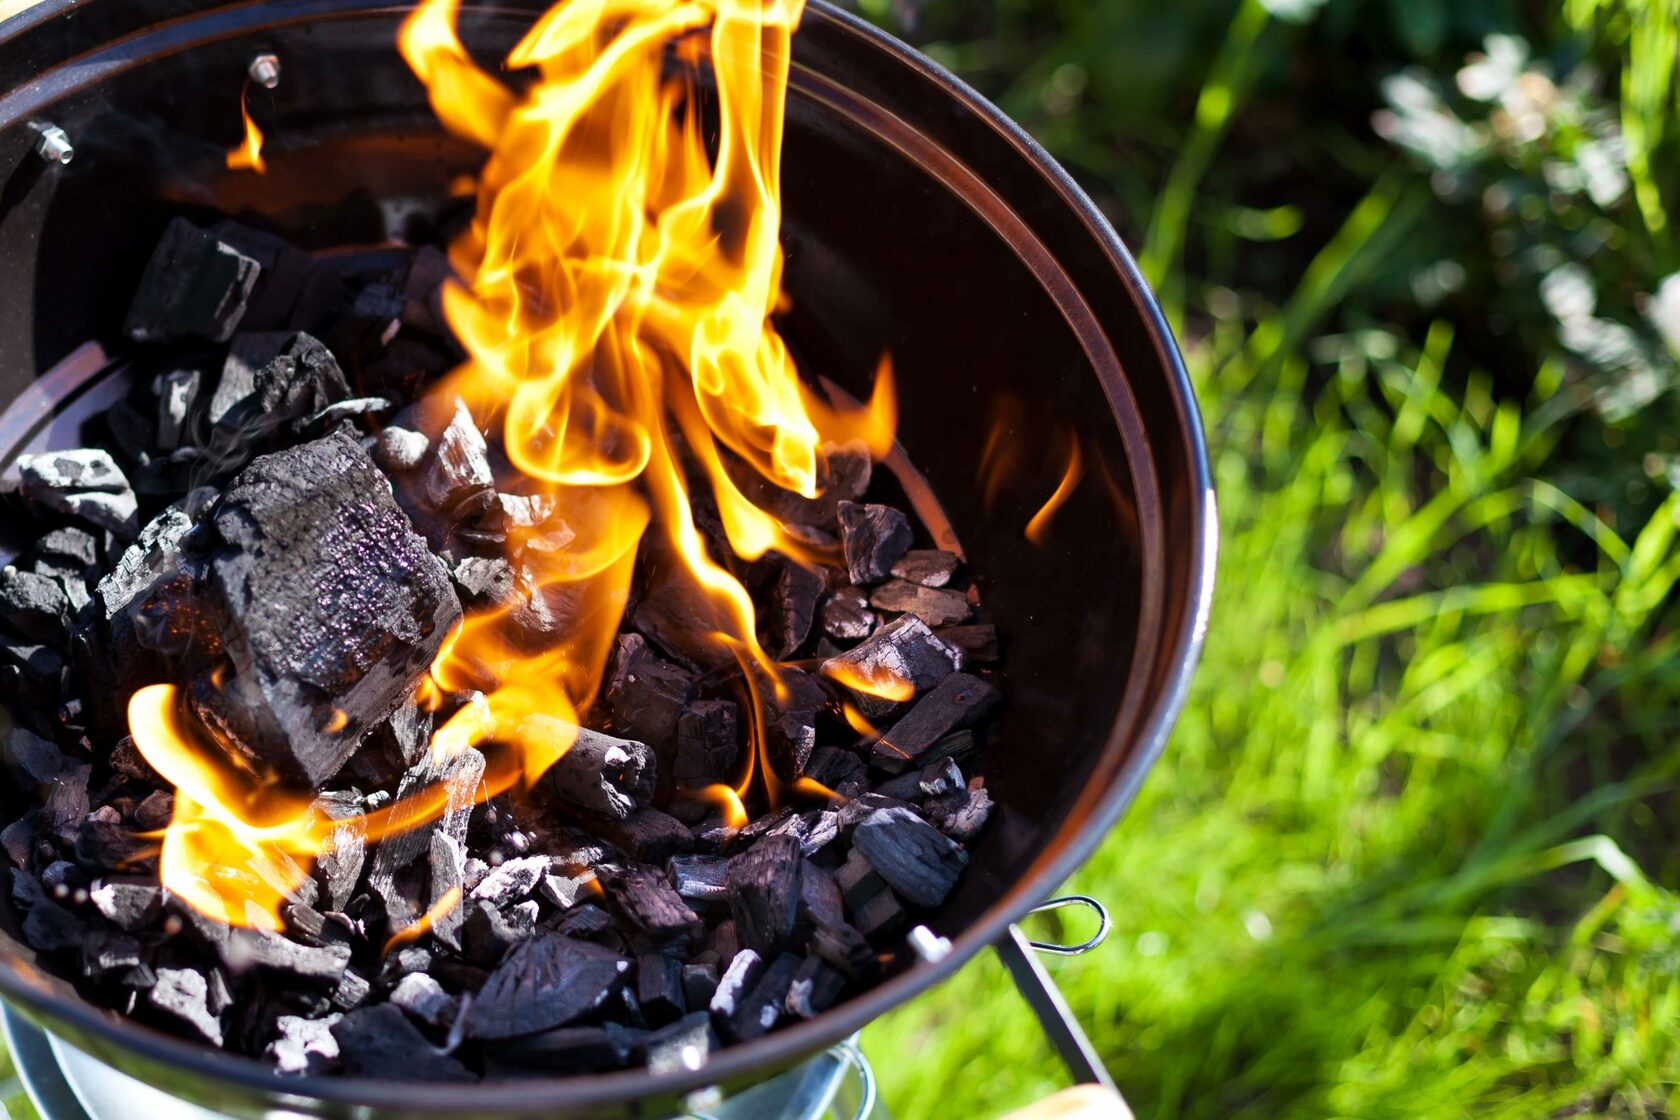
(247,156)
(619,283)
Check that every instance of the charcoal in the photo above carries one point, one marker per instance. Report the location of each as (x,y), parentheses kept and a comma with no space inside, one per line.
(792,713)
(569,1050)
(85,484)
(127,903)
(905,787)
(457,466)
(264,386)
(659,989)
(820,900)
(646,694)
(32,758)
(304,1046)
(339,865)
(564,889)
(68,553)
(329,607)
(764,893)
(936,606)
(339,411)
(372,320)
(677,616)
(929,567)
(589,922)
(284,270)
(822,830)
(660,919)
(797,590)
(846,949)
(956,702)
(602,775)
(881,918)
(724,942)
(178,392)
(858,880)
(485,580)
(183,994)
(546,982)
(839,770)
(683,1046)
(298,963)
(858,809)
(50,928)
(34,605)
(874,538)
(489,934)
(61,877)
(460,775)
(31,663)
(904,651)
(105,953)
(351,992)
(844,472)
(380,1042)
(979,641)
(400,449)
(512,881)
(154,810)
(393,747)
(109,845)
(920,863)
(648,835)
(422,290)
(736,985)
(814,989)
(134,435)
(767,824)
(961,816)
(957,746)
(700,881)
(194,286)
(425,1001)
(846,615)
(939,777)
(250,353)
(765,1004)
(20,837)
(708,743)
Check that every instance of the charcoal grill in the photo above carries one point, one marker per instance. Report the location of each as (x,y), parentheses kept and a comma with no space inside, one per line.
(919,221)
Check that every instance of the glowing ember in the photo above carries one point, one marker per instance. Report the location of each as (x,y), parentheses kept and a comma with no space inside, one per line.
(248,155)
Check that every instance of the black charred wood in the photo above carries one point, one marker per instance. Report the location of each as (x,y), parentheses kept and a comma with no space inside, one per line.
(874,538)
(588,922)
(34,605)
(648,835)
(380,1042)
(978,640)
(657,916)
(905,650)
(708,743)
(956,702)
(109,845)
(920,863)
(676,615)
(815,988)
(488,935)
(194,286)
(659,989)
(838,769)
(764,893)
(962,815)
(700,881)
(936,606)
(735,985)
(85,484)
(847,950)
(546,982)
(299,964)
(183,995)
(683,1046)
(512,880)
(798,589)
(568,1050)
(603,775)
(846,615)
(646,695)
(284,266)
(397,875)
(423,999)
(303,1046)
(930,567)
(765,1004)
(272,382)
(338,868)
(129,903)
(881,919)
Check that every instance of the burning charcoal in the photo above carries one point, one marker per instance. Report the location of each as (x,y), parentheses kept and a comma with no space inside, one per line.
(352,991)
(858,880)
(381,1042)
(700,881)
(918,862)
(457,466)
(329,606)
(295,383)
(797,590)
(840,770)
(339,865)
(247,949)
(602,775)
(340,411)
(683,1046)
(108,844)
(400,449)
(284,270)
(846,615)
(512,881)
(564,889)
(881,918)
(958,701)
(447,858)
(82,484)
(736,984)
(764,893)
(962,816)
(929,567)
(847,950)
(821,902)
(249,354)
(184,995)
(489,934)
(815,988)
(128,904)
(823,829)
(589,922)
(393,747)
(708,743)
(648,835)
(424,999)
(177,394)
(875,538)
(653,910)
(936,606)
(659,989)
(460,774)
(646,693)
(677,616)
(485,580)
(978,641)
(569,1050)
(194,286)
(154,810)
(905,651)
(546,982)
(66,553)
(104,953)
(763,1006)
(791,717)
(50,928)
(844,472)
(858,809)
(302,1045)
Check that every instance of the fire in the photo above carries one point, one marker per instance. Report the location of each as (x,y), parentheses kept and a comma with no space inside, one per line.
(1039,527)
(439,910)
(248,155)
(874,680)
(618,289)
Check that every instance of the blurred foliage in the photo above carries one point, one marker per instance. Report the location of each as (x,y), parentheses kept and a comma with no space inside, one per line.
(1412,850)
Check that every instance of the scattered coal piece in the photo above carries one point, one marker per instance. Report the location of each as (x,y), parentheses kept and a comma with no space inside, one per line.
(700,981)
(109,845)
(66,553)
(392,876)
(659,989)
(602,774)
(129,903)
(380,1041)
(34,605)
(676,615)
(930,567)
(798,589)
(648,835)
(735,985)
(85,484)
(814,989)
(920,863)
(645,694)
(961,816)
(874,538)
(845,948)
(846,615)
(764,893)
(303,1046)
(178,392)
(936,606)
(184,995)
(881,918)
(708,743)
(400,449)
(425,1001)
(339,865)
(50,928)
(285,267)
(568,1050)
(457,463)
(838,769)
(700,881)
(546,982)
(956,702)
(588,922)
(683,1046)
(512,881)
(329,607)
(302,964)
(565,889)
(655,912)
(765,1004)
(904,651)
(485,580)
(979,641)
(194,286)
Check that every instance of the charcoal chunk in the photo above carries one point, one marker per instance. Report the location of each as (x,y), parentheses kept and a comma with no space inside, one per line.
(602,774)
(285,267)
(109,844)
(814,989)
(485,580)
(874,538)
(569,1050)
(380,1042)
(659,989)
(736,985)
(930,567)
(700,881)
(339,865)
(648,835)
(700,981)
(391,877)
(328,606)
(840,770)
(425,1001)
(660,918)
(845,948)
(127,903)
(272,380)
(50,928)
(268,952)
(764,893)
(400,449)
(979,641)
(766,1002)
(961,816)
(708,743)
(546,982)
(798,589)
(512,881)
(936,606)
(194,286)
(178,392)
(67,553)
(846,615)
(903,653)
(645,693)
(183,994)
(85,484)
(457,464)
(920,863)
(881,918)
(956,702)
(301,1045)
(683,1046)
(33,605)
(489,934)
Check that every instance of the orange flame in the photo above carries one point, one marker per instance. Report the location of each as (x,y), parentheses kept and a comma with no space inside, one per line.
(1039,527)
(616,301)
(873,680)
(439,910)
(248,155)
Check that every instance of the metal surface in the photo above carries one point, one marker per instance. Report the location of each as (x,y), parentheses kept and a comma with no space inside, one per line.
(1082,901)
(1046,1000)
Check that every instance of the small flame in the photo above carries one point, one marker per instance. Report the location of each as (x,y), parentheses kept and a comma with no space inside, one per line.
(858,721)
(248,155)
(1039,527)
(727,801)
(810,787)
(879,681)
(439,910)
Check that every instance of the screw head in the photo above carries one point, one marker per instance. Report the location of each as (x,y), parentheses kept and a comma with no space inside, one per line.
(265,70)
(54,146)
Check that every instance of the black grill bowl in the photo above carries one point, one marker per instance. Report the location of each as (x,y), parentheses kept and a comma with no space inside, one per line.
(919,221)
